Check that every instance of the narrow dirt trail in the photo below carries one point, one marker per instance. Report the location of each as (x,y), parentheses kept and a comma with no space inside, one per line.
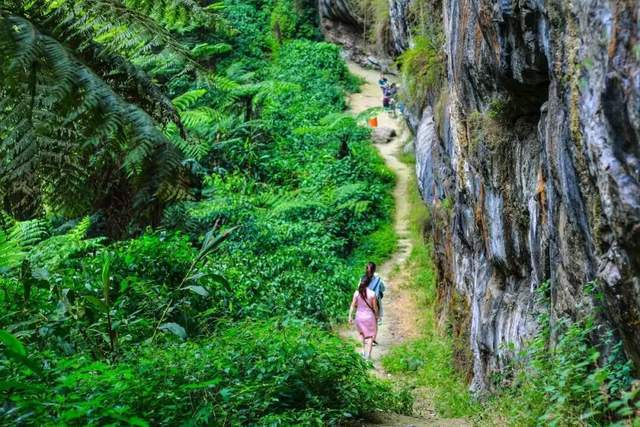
(399,308)
(401,311)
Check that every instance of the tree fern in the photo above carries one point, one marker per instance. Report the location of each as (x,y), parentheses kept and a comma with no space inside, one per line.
(71,112)
(16,238)
(51,252)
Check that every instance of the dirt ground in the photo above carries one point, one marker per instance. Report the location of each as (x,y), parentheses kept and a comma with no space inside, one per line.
(401,311)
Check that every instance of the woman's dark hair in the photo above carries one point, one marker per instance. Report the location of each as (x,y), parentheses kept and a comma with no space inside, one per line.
(371,268)
(366,279)
(362,289)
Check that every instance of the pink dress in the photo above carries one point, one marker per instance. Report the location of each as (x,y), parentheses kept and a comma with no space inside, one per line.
(366,322)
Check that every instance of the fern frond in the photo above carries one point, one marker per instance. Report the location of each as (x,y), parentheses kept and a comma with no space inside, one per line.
(50,253)
(68,114)
(207,50)
(187,99)
(16,241)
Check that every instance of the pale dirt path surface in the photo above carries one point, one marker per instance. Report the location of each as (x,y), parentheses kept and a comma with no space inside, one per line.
(401,312)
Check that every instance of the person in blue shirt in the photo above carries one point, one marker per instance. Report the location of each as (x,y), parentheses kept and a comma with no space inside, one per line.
(383,82)
(377,286)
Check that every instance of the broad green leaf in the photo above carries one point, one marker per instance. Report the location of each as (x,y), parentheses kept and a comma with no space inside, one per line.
(106,267)
(175,329)
(16,351)
(96,303)
(199,290)
(212,242)
(40,274)
(12,343)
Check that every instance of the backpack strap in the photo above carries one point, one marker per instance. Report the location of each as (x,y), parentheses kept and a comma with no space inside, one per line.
(368,305)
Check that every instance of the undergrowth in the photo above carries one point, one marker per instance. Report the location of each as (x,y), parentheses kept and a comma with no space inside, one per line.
(214,308)
(422,70)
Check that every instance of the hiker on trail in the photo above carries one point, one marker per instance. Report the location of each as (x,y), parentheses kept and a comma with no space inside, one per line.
(365,304)
(393,89)
(383,82)
(386,97)
(376,285)
(384,87)
(392,93)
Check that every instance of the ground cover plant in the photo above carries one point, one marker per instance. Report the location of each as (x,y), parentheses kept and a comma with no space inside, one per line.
(192,221)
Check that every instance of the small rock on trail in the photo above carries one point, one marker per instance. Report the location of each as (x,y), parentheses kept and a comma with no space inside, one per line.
(383,135)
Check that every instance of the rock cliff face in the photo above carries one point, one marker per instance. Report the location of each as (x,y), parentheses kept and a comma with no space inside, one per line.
(538,153)
(341,22)
(532,157)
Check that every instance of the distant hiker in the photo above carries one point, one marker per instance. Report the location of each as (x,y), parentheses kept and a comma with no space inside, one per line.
(384,87)
(386,97)
(383,82)
(389,101)
(393,90)
(376,285)
(401,108)
(365,304)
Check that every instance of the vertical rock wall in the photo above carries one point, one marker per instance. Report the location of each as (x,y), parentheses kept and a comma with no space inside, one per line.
(341,23)
(538,155)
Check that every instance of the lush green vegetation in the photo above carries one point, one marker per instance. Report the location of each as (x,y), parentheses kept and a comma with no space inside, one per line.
(422,66)
(567,384)
(422,69)
(185,210)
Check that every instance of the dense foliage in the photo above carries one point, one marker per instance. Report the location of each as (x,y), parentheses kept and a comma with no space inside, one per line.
(569,381)
(185,209)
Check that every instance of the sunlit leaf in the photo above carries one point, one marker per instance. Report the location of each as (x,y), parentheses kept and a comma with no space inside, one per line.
(175,329)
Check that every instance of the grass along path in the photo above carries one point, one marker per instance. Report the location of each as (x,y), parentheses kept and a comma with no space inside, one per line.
(403,314)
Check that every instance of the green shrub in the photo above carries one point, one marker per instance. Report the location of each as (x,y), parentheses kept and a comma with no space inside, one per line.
(265,373)
(129,330)
(422,69)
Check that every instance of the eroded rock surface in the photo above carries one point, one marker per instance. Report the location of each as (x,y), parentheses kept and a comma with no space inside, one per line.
(537,156)
(382,135)
(341,23)
(532,158)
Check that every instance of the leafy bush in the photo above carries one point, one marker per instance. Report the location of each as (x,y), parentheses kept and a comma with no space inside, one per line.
(422,69)
(165,323)
(269,372)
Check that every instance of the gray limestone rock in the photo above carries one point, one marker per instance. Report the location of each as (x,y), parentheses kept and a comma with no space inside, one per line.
(538,158)
(382,135)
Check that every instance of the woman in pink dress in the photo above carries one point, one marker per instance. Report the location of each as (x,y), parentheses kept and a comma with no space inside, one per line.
(366,305)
